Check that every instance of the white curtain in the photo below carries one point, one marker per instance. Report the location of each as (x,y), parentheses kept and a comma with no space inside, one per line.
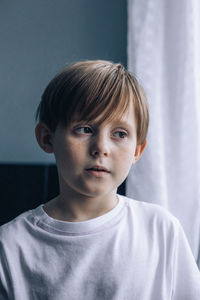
(164,54)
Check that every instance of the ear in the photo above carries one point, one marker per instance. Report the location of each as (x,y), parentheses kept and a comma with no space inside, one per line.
(139,150)
(44,135)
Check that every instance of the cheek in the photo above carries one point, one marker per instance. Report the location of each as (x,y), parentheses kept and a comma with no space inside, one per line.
(123,165)
(127,155)
(75,152)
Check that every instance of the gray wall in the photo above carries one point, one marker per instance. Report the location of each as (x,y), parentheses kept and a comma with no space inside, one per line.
(37,38)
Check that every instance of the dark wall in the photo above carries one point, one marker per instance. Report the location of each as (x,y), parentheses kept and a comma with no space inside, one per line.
(23,187)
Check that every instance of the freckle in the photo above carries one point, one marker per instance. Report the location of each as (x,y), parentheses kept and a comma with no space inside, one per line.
(78,145)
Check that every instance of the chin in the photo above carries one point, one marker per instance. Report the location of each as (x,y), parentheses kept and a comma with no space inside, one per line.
(95,193)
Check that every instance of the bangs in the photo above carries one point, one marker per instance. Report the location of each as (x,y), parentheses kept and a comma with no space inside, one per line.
(99,95)
(105,107)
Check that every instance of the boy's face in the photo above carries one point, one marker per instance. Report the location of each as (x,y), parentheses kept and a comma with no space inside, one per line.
(82,148)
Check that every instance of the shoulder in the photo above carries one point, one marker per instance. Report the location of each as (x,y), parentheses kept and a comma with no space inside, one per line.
(150,210)
(12,231)
(151,216)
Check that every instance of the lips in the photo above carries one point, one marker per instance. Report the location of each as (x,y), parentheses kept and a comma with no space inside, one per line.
(97,171)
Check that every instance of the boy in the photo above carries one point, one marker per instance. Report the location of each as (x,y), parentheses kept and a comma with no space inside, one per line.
(89,242)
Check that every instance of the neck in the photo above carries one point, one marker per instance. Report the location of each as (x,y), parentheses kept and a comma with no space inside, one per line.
(76,209)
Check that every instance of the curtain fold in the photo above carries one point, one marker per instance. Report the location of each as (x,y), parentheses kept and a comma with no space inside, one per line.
(164,54)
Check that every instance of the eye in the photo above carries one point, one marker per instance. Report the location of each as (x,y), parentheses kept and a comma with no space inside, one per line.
(83,130)
(120,134)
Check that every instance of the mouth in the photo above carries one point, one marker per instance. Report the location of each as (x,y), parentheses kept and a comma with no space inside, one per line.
(97,171)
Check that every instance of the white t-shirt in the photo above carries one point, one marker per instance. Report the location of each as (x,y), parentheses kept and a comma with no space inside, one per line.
(136,251)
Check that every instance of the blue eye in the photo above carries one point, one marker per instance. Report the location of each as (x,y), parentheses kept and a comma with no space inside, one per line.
(120,134)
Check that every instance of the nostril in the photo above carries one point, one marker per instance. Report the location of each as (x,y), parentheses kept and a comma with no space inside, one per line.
(96,153)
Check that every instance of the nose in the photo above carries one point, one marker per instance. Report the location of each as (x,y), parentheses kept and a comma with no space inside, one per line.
(100,146)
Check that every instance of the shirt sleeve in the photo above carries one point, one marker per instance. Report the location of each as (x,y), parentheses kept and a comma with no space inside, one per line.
(3,293)
(186,280)
(6,288)
(3,284)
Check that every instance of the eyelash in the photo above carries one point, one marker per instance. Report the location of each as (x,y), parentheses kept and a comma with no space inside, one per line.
(82,127)
(122,134)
